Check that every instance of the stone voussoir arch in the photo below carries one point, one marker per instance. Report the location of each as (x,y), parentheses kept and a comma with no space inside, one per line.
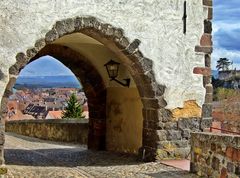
(140,67)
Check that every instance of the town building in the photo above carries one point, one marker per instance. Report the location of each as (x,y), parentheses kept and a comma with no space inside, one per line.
(42,103)
(231,78)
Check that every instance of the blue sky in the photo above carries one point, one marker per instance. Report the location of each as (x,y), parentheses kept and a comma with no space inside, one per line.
(45,66)
(226,31)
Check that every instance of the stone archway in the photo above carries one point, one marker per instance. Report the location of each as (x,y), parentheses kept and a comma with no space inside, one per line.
(140,67)
(92,83)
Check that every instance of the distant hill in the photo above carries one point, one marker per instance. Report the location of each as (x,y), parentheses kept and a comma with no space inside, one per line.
(215,74)
(47,82)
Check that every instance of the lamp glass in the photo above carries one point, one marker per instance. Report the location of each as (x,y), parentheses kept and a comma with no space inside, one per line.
(112,68)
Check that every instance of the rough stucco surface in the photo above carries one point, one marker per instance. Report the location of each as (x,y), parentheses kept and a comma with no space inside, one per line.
(124,120)
(157,24)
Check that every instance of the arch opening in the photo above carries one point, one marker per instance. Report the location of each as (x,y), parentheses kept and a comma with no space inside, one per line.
(42,91)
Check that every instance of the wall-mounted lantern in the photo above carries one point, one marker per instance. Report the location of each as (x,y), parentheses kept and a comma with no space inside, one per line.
(112,69)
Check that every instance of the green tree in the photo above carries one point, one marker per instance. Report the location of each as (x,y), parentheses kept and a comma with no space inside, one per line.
(223,64)
(73,109)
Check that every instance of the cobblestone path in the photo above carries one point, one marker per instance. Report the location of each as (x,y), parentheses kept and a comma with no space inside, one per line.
(27,157)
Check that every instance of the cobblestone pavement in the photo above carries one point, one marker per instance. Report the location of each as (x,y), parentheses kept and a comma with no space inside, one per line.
(27,157)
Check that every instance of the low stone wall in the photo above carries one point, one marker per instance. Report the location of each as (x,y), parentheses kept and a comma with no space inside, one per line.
(55,130)
(233,126)
(215,155)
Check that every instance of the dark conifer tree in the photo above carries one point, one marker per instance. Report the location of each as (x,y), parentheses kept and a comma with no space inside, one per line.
(73,109)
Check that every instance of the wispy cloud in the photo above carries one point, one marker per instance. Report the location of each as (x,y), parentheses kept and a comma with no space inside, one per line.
(226,31)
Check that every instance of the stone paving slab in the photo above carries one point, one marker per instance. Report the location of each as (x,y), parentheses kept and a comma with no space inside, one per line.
(28,157)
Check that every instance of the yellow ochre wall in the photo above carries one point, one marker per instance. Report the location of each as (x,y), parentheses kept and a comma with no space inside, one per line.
(124,120)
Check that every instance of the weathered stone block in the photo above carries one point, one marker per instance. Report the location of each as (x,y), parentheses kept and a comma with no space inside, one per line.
(193,167)
(236,155)
(207,2)
(186,133)
(31,53)
(207,80)
(118,33)
(4,102)
(150,124)
(51,36)
(109,31)
(181,153)
(209,88)
(151,115)
(210,13)
(14,70)
(154,103)
(207,60)
(133,46)
(40,44)
(150,134)
(230,167)
(165,115)
(213,147)
(146,91)
(64,27)
(2,76)
(207,26)
(78,23)
(237,170)
(147,65)
(206,71)
(161,154)
(189,123)
(207,110)
(21,58)
(123,43)
(203,49)
(206,40)
(181,143)
(171,125)
(223,173)
(215,163)
(162,134)
(208,98)
(160,125)
(160,89)
(174,135)
(88,22)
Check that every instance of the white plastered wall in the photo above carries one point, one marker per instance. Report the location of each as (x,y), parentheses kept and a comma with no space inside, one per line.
(156,23)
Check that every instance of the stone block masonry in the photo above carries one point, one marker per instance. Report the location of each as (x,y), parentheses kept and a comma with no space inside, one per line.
(214,155)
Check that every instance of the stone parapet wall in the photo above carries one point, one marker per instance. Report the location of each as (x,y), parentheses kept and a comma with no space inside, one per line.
(214,155)
(232,126)
(55,130)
